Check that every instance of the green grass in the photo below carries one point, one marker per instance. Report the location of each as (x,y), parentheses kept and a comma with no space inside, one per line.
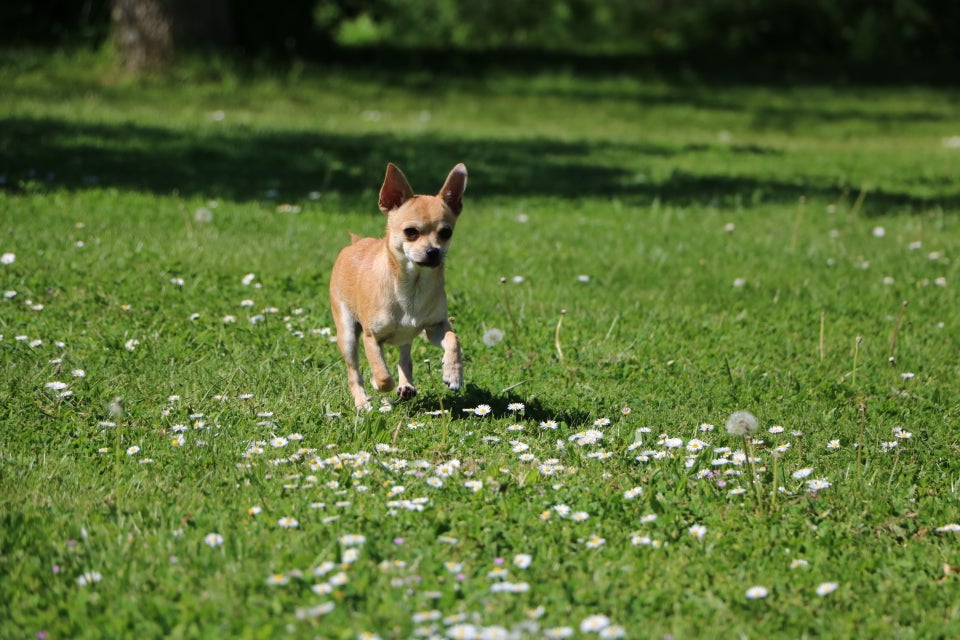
(662,195)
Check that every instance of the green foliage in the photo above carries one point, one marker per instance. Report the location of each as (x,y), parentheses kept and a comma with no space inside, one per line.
(708,248)
(796,31)
(882,38)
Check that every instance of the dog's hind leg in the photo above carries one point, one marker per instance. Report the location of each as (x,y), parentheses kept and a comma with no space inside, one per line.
(380,376)
(347,341)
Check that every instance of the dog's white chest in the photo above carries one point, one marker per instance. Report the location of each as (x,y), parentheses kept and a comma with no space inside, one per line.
(417,303)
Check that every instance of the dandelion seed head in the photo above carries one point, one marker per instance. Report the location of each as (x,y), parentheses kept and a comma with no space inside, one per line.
(742,424)
(492,337)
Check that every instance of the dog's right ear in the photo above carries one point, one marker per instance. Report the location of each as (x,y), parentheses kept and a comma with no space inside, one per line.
(395,190)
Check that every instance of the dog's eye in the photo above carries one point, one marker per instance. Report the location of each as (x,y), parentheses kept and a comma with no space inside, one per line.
(411,233)
(445,233)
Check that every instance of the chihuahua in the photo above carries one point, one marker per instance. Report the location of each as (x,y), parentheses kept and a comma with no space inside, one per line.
(390,290)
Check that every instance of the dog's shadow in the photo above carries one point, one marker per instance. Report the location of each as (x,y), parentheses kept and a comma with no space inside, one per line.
(462,405)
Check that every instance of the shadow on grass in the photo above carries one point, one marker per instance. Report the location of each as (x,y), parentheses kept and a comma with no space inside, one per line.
(243,164)
(461,405)
(702,67)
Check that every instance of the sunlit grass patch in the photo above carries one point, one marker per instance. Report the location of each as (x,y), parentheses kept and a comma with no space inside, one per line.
(180,452)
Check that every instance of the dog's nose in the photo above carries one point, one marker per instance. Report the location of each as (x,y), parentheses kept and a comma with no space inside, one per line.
(433,256)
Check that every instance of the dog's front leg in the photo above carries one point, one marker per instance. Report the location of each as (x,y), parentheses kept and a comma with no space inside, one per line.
(443,336)
(406,390)
(380,377)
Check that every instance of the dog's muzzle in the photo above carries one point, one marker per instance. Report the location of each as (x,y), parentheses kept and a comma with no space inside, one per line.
(432,258)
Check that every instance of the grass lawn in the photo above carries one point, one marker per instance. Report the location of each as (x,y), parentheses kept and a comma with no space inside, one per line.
(636,261)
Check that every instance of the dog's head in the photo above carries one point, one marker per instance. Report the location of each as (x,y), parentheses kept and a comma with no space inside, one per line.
(420,227)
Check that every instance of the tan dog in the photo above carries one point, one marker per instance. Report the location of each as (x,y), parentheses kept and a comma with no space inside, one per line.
(390,290)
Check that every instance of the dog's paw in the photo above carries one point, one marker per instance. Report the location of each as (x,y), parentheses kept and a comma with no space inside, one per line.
(406,391)
(384,384)
(453,376)
(360,398)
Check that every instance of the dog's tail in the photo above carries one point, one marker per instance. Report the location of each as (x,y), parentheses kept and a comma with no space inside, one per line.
(354,238)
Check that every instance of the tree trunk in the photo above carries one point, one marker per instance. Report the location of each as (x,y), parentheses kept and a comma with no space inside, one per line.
(147,33)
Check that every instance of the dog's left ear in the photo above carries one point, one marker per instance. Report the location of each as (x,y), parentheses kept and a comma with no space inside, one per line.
(452,190)
(395,190)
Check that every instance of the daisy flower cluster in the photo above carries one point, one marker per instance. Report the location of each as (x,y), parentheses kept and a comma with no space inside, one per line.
(339,488)
(726,468)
